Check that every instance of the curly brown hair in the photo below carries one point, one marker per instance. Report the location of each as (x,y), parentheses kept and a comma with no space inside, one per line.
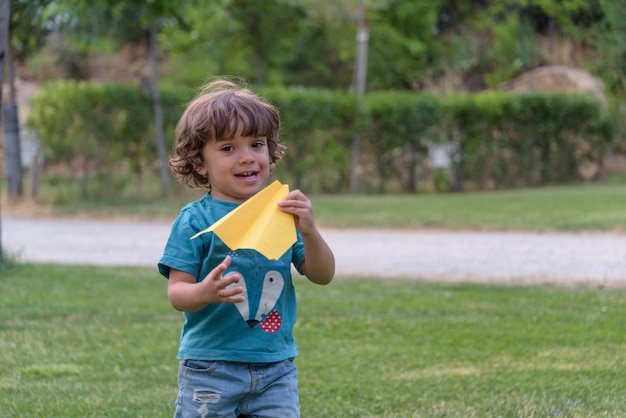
(222,110)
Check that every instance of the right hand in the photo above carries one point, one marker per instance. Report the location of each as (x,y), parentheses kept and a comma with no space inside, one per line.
(188,295)
(221,289)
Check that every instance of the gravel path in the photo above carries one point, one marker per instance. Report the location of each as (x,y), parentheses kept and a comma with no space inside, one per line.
(510,257)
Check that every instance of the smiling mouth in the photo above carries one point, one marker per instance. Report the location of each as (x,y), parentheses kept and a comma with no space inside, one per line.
(248,174)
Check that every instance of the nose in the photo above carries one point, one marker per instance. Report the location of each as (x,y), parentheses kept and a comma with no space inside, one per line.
(246,155)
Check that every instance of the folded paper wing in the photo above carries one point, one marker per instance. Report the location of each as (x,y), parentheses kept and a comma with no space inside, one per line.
(258,224)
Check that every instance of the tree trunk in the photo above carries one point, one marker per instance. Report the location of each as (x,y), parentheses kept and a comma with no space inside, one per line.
(360,80)
(84,179)
(11,134)
(34,172)
(12,151)
(5,15)
(158,110)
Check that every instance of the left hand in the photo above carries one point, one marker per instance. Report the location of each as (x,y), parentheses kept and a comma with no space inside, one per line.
(300,206)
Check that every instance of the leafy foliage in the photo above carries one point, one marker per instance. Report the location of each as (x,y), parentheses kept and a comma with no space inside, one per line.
(27,31)
(501,140)
(413,44)
(401,34)
(95,129)
(515,50)
(317,127)
(401,127)
(509,140)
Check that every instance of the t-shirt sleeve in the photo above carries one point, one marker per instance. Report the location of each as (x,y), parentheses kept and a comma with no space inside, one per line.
(181,252)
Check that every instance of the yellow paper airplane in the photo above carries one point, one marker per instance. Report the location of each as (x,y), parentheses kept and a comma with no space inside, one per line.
(258,224)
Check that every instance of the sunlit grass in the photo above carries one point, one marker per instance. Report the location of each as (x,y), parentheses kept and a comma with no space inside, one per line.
(565,208)
(91,342)
(599,207)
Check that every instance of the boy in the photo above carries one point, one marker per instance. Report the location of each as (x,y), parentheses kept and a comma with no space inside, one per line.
(237,346)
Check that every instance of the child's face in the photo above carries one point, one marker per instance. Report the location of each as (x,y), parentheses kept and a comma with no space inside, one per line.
(237,168)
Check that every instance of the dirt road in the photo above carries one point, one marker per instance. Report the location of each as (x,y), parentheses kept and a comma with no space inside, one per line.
(516,257)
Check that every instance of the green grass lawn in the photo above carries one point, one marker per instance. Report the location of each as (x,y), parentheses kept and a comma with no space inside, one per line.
(95,342)
(599,207)
(564,208)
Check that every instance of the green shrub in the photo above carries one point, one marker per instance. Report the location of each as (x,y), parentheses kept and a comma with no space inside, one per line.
(400,128)
(92,130)
(513,140)
(498,140)
(317,127)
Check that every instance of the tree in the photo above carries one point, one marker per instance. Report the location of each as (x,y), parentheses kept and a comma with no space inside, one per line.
(20,29)
(401,35)
(610,40)
(5,12)
(11,134)
(115,22)
(25,35)
(249,38)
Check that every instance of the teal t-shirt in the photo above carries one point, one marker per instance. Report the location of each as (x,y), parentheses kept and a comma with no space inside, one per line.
(259,329)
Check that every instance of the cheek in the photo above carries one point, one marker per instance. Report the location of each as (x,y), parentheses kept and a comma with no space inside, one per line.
(265,157)
(210,160)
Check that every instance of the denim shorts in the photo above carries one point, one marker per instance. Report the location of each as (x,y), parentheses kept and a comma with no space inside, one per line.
(229,389)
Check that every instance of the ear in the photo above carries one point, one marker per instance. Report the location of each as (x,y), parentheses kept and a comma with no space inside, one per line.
(199,166)
(200,169)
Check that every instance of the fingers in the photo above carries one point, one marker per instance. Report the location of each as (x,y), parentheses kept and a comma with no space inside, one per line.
(230,295)
(295,201)
(224,288)
(227,289)
(224,264)
(297,196)
(297,204)
(216,273)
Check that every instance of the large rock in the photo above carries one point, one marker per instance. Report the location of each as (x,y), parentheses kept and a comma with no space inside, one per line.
(557,78)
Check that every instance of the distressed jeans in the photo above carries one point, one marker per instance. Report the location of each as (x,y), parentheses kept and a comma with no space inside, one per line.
(228,389)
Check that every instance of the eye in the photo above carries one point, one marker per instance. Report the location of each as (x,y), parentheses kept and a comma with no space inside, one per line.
(258,144)
(227,148)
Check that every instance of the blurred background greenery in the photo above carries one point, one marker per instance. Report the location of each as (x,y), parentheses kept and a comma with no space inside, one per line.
(101,84)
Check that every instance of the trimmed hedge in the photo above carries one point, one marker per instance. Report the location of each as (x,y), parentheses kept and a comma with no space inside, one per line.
(317,127)
(518,140)
(495,139)
(94,130)
(399,128)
